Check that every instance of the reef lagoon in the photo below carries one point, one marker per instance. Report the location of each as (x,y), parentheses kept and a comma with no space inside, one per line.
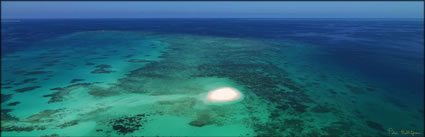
(155,77)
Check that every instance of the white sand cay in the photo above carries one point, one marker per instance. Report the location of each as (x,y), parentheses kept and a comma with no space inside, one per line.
(224,94)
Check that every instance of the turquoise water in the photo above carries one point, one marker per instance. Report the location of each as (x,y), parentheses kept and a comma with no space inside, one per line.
(151,77)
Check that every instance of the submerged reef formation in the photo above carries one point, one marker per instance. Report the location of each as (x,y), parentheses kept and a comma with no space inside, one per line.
(103,92)
(5,97)
(321,109)
(128,124)
(102,68)
(38,121)
(76,80)
(283,95)
(13,103)
(139,60)
(25,81)
(260,73)
(26,89)
(375,125)
(35,73)
(43,116)
(68,124)
(62,93)
(5,116)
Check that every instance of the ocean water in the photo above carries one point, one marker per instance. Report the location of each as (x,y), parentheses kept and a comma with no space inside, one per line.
(151,77)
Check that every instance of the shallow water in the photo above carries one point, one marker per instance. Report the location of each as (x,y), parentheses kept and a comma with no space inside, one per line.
(150,77)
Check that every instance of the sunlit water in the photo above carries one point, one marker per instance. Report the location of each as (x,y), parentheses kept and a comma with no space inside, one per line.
(230,77)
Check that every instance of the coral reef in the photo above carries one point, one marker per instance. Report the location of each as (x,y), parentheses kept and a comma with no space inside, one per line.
(13,103)
(68,124)
(262,78)
(339,128)
(26,89)
(395,102)
(35,73)
(7,82)
(7,87)
(278,100)
(98,58)
(52,135)
(128,124)
(202,119)
(5,97)
(89,64)
(103,92)
(50,63)
(139,60)
(5,116)
(43,116)
(355,90)
(375,125)
(17,128)
(76,80)
(25,81)
(61,93)
(321,109)
(102,68)
(129,56)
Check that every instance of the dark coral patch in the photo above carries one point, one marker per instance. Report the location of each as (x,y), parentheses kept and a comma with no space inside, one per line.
(202,119)
(375,125)
(7,87)
(5,116)
(52,135)
(321,109)
(76,80)
(294,123)
(128,124)
(39,68)
(396,102)
(62,56)
(61,93)
(332,91)
(99,58)
(19,72)
(128,56)
(26,89)
(355,90)
(5,97)
(298,107)
(13,103)
(43,116)
(139,60)
(17,128)
(100,71)
(13,128)
(339,128)
(102,68)
(102,92)
(50,63)
(89,63)
(7,82)
(68,124)
(36,72)
(25,81)
(282,107)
